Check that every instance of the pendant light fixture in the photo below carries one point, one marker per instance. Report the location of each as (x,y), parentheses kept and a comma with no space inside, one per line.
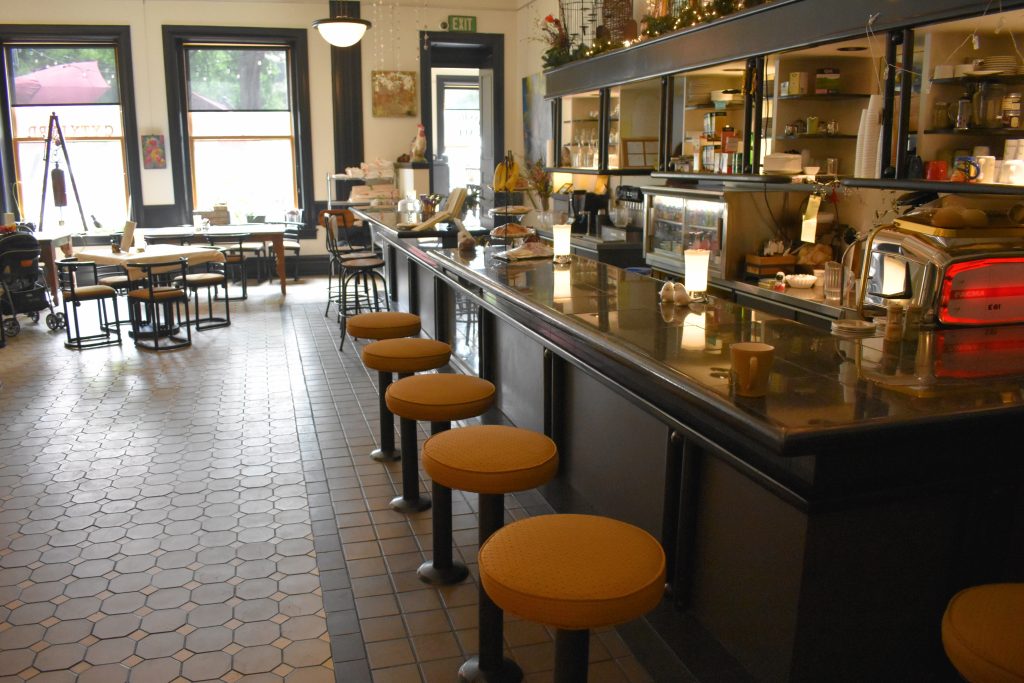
(341,31)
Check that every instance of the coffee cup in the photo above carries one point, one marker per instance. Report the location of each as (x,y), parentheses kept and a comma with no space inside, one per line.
(936,170)
(966,169)
(751,367)
(1012,172)
(987,165)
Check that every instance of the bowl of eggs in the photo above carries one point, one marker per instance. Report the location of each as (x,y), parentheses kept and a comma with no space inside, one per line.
(801,281)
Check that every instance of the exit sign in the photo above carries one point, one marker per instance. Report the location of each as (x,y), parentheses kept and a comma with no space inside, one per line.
(460,23)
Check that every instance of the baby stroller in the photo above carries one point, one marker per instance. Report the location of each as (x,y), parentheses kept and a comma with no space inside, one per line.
(22,289)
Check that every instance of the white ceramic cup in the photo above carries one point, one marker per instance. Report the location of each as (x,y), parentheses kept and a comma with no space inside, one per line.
(751,366)
(1010,149)
(987,166)
(1012,172)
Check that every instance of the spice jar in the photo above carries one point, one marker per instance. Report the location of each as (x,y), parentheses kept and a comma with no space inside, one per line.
(1011,110)
(940,115)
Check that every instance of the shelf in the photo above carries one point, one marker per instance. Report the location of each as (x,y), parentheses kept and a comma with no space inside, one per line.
(710,106)
(727,177)
(976,131)
(933,186)
(816,136)
(828,96)
(668,220)
(1008,80)
(595,171)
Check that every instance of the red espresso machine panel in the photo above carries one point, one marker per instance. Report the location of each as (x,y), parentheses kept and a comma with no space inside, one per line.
(986,291)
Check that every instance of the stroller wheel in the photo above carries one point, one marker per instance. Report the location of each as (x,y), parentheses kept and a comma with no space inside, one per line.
(34,315)
(52,321)
(62,321)
(12,327)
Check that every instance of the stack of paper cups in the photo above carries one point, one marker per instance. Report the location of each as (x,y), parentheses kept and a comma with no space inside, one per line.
(869,140)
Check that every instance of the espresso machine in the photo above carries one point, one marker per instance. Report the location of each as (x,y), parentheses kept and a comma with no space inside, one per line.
(584,211)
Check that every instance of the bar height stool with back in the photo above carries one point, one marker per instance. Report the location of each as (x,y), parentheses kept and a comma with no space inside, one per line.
(439,399)
(214,277)
(404,357)
(572,572)
(489,460)
(152,286)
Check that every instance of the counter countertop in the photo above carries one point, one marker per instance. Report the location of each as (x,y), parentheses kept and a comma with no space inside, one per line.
(821,384)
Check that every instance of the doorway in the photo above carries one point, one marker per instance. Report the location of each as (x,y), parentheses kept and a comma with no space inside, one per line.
(463,97)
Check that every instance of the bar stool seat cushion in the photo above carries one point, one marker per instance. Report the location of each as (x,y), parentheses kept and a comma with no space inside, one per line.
(204,279)
(983,633)
(490,459)
(440,397)
(573,572)
(363,263)
(159,293)
(406,355)
(89,292)
(356,255)
(383,325)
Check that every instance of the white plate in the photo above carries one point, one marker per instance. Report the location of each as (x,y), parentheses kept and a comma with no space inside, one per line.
(983,72)
(853,326)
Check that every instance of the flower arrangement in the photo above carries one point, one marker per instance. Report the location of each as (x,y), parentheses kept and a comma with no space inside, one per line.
(560,47)
(539,181)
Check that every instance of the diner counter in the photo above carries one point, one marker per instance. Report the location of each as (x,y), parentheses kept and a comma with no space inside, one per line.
(873,481)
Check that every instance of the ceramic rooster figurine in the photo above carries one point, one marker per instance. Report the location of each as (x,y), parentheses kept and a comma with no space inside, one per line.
(419,144)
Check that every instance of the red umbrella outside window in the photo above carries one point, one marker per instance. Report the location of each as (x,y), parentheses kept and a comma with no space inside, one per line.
(74,83)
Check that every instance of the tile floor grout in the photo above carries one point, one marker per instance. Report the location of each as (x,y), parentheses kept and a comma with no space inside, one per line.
(381,623)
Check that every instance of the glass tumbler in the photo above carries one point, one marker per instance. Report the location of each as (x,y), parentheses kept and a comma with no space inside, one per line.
(833,284)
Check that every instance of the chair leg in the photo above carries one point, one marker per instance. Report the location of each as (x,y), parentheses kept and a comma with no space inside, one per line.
(442,570)
(572,649)
(387,451)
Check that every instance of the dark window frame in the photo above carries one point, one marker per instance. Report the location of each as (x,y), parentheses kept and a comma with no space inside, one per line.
(175,39)
(120,38)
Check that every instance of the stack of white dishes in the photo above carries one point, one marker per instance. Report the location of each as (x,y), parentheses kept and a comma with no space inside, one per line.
(1000,64)
(854,328)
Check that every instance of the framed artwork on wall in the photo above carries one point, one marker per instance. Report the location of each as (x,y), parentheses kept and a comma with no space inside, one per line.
(154,154)
(394,93)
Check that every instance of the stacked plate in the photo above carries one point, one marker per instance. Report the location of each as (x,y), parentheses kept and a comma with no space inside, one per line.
(854,328)
(1000,63)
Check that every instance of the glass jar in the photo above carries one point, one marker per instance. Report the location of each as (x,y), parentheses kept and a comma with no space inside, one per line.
(940,116)
(1011,110)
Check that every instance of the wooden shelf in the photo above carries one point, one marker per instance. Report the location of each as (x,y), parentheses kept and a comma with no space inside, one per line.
(1009,80)
(602,171)
(710,106)
(933,186)
(816,136)
(976,131)
(827,96)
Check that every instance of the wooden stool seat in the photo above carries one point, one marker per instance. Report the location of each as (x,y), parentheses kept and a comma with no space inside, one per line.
(406,355)
(572,572)
(440,398)
(403,356)
(491,459)
(983,633)
(383,325)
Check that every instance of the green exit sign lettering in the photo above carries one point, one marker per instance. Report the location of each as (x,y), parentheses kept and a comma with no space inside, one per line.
(461,23)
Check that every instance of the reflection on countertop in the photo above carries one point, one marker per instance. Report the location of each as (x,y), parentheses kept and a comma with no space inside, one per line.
(819,380)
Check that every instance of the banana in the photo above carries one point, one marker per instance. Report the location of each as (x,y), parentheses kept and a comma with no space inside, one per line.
(506,176)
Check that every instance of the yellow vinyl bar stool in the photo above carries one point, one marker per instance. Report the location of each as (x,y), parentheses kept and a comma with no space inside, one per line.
(404,357)
(571,572)
(439,399)
(983,633)
(381,325)
(490,460)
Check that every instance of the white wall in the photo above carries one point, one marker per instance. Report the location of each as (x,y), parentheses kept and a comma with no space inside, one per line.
(391,44)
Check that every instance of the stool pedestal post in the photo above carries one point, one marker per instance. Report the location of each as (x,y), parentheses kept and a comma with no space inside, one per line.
(572,650)
(442,570)
(490,665)
(387,451)
(410,500)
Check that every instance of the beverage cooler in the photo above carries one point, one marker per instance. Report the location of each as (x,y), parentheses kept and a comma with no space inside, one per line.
(677,220)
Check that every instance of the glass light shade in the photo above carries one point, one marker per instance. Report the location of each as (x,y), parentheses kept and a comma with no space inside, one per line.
(562,232)
(342,31)
(695,262)
(694,337)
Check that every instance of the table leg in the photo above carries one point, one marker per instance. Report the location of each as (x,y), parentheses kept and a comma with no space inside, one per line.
(278,242)
(48,254)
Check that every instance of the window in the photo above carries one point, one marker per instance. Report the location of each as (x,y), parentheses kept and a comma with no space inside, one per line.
(241,104)
(459,127)
(81,83)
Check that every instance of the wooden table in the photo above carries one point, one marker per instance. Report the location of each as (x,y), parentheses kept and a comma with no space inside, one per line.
(154,253)
(256,232)
(49,242)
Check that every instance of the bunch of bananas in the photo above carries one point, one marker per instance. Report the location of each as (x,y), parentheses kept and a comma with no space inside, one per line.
(506,175)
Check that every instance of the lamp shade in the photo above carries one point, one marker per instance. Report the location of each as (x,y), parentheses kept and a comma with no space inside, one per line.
(695,273)
(342,31)
(561,245)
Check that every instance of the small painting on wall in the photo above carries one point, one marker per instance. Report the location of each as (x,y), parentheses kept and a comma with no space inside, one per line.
(394,93)
(154,155)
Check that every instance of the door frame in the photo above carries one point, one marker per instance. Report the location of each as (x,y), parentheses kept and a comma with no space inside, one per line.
(462,50)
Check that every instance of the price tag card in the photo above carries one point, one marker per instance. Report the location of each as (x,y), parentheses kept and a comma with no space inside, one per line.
(809,228)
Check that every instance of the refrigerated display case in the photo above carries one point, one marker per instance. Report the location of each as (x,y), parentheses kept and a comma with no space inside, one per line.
(677,220)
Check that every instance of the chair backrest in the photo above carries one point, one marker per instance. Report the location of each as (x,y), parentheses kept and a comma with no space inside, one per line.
(67,275)
(152,274)
(234,239)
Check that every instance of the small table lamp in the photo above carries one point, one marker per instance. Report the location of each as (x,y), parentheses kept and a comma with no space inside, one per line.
(695,275)
(562,232)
